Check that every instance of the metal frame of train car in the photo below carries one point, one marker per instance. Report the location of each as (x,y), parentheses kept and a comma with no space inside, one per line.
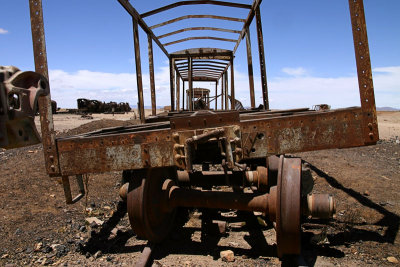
(163,151)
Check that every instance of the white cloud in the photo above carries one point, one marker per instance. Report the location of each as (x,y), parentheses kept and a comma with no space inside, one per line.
(284,92)
(3,31)
(295,71)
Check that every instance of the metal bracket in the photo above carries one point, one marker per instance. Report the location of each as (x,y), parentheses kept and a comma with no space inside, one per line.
(67,189)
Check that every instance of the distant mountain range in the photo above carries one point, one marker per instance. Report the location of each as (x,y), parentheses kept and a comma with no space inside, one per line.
(387,109)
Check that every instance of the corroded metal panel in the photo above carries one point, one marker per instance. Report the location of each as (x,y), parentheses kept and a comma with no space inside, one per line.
(95,154)
(306,132)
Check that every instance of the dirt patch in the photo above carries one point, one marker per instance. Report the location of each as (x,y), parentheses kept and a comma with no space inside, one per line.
(37,227)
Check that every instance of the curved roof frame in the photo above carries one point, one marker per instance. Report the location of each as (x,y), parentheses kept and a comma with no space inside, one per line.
(196,64)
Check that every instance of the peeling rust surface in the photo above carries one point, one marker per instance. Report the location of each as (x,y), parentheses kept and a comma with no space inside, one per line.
(306,132)
(93,154)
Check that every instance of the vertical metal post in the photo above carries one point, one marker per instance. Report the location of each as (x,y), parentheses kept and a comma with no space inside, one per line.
(178,90)
(190,75)
(250,69)
(365,82)
(263,71)
(172,83)
(46,116)
(222,92)
(138,70)
(151,72)
(226,91)
(232,85)
(183,95)
(216,93)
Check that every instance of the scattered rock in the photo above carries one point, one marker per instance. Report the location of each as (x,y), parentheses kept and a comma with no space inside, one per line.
(90,220)
(82,228)
(227,255)
(60,250)
(108,258)
(4,256)
(97,255)
(38,246)
(392,260)
(222,226)
(18,231)
(156,264)
(46,249)
(366,193)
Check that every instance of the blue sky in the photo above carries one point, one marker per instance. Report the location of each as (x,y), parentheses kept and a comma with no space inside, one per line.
(308,48)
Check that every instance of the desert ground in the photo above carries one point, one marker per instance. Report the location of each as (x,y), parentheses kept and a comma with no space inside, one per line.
(38,228)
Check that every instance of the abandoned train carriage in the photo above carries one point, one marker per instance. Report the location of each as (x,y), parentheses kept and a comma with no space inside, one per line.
(158,157)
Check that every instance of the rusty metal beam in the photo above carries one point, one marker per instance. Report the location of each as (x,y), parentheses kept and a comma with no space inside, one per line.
(201,79)
(226,90)
(304,132)
(197,29)
(135,15)
(199,38)
(216,94)
(172,83)
(196,17)
(202,65)
(139,81)
(151,73)
(201,75)
(232,85)
(250,69)
(183,94)
(178,90)
(203,61)
(46,116)
(190,79)
(203,2)
(222,92)
(365,82)
(216,71)
(263,72)
(249,19)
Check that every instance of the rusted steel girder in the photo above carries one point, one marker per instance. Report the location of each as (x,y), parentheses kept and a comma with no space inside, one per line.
(46,116)
(138,65)
(216,95)
(199,38)
(226,90)
(151,73)
(201,2)
(365,83)
(250,69)
(136,16)
(178,90)
(172,83)
(232,85)
(190,76)
(197,29)
(263,72)
(196,17)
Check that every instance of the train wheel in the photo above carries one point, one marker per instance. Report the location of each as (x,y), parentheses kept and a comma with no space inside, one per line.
(145,200)
(288,207)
